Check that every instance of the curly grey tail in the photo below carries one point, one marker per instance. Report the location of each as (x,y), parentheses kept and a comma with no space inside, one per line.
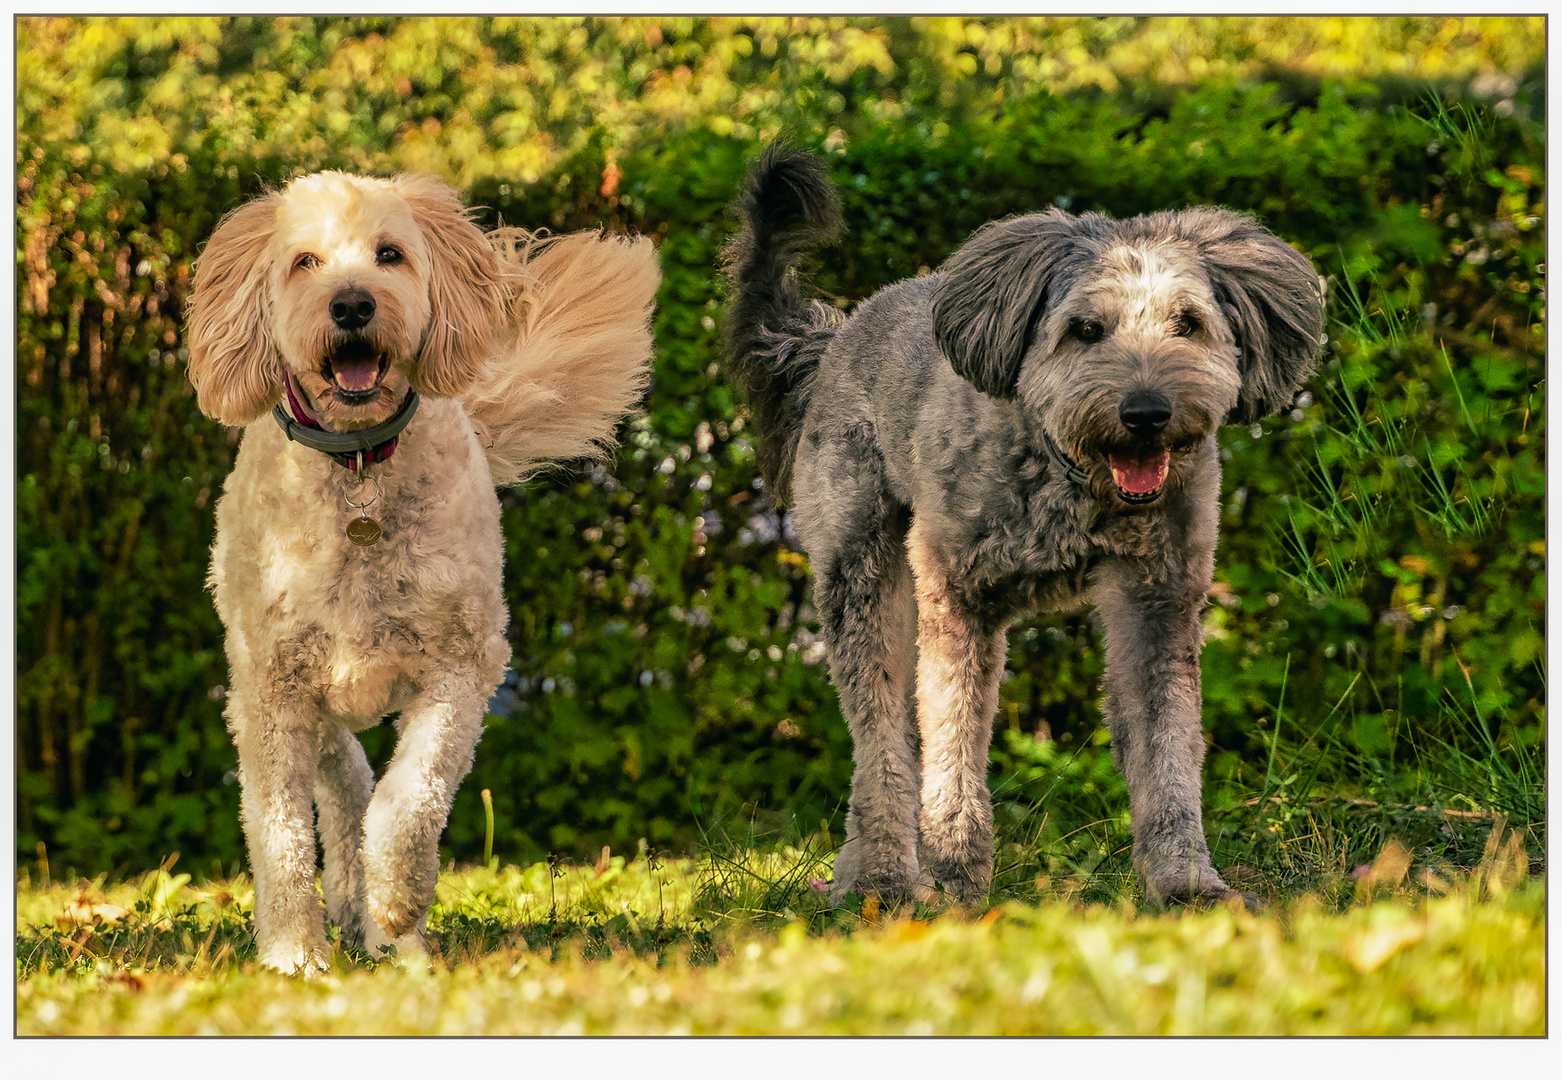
(773,338)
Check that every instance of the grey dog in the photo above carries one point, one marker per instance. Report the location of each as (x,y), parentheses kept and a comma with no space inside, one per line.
(1028,428)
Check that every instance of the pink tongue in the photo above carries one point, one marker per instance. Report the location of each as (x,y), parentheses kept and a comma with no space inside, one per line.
(1140,476)
(356,374)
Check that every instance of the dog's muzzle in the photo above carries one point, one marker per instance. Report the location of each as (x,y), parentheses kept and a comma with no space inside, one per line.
(1139,470)
(352,363)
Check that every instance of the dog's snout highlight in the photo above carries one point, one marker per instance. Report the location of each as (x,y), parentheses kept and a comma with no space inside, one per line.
(351,309)
(1144,413)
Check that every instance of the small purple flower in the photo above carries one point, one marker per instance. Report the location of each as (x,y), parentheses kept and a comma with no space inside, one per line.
(819,885)
(1361,871)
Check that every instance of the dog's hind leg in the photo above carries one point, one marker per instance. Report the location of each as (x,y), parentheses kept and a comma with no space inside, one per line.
(439,729)
(959,664)
(278,750)
(1153,709)
(862,590)
(342,789)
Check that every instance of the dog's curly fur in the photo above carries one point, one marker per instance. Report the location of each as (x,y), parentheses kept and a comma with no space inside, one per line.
(1029,428)
(522,350)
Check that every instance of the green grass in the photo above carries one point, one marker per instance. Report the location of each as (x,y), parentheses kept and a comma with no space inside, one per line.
(742,942)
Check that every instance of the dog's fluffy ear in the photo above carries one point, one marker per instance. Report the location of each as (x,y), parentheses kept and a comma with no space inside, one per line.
(991,292)
(234,364)
(467,291)
(1272,298)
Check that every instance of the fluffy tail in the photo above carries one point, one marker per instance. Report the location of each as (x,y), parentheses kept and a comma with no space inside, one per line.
(773,338)
(581,359)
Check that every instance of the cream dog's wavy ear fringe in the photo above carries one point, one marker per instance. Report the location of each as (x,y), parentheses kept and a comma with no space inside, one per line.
(234,364)
(469,288)
(582,354)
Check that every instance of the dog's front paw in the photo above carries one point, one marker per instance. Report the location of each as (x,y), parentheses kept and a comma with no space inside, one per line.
(303,960)
(957,849)
(893,877)
(963,881)
(399,879)
(394,918)
(409,949)
(968,887)
(930,892)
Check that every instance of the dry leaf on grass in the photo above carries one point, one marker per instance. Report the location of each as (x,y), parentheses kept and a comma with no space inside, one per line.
(81,911)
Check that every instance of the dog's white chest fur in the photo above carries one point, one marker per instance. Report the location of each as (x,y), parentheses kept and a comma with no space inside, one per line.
(360,625)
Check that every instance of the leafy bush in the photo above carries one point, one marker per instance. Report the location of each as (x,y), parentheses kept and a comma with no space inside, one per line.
(1380,583)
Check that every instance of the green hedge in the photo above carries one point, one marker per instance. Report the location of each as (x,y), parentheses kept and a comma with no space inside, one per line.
(1383,544)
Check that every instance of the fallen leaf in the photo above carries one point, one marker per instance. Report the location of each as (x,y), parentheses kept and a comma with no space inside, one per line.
(83,912)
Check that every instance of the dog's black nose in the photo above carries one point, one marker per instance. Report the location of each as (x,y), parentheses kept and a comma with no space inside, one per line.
(352,308)
(1144,412)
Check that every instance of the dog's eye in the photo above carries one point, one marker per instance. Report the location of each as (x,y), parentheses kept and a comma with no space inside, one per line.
(1086,330)
(306,261)
(388,255)
(1186,324)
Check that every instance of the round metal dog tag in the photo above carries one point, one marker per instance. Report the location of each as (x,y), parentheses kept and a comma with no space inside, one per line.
(364,531)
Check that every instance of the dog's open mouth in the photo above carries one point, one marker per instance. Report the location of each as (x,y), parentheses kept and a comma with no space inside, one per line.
(1140,475)
(354,368)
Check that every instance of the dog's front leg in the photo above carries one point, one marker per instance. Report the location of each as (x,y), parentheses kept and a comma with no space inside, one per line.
(1153,708)
(438,730)
(278,751)
(959,664)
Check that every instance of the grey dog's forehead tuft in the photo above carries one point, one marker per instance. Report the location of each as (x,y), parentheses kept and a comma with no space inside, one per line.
(1141,260)
(1099,242)
(1097,233)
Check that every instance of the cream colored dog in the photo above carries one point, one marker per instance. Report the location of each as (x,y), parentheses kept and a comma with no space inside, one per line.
(417,363)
